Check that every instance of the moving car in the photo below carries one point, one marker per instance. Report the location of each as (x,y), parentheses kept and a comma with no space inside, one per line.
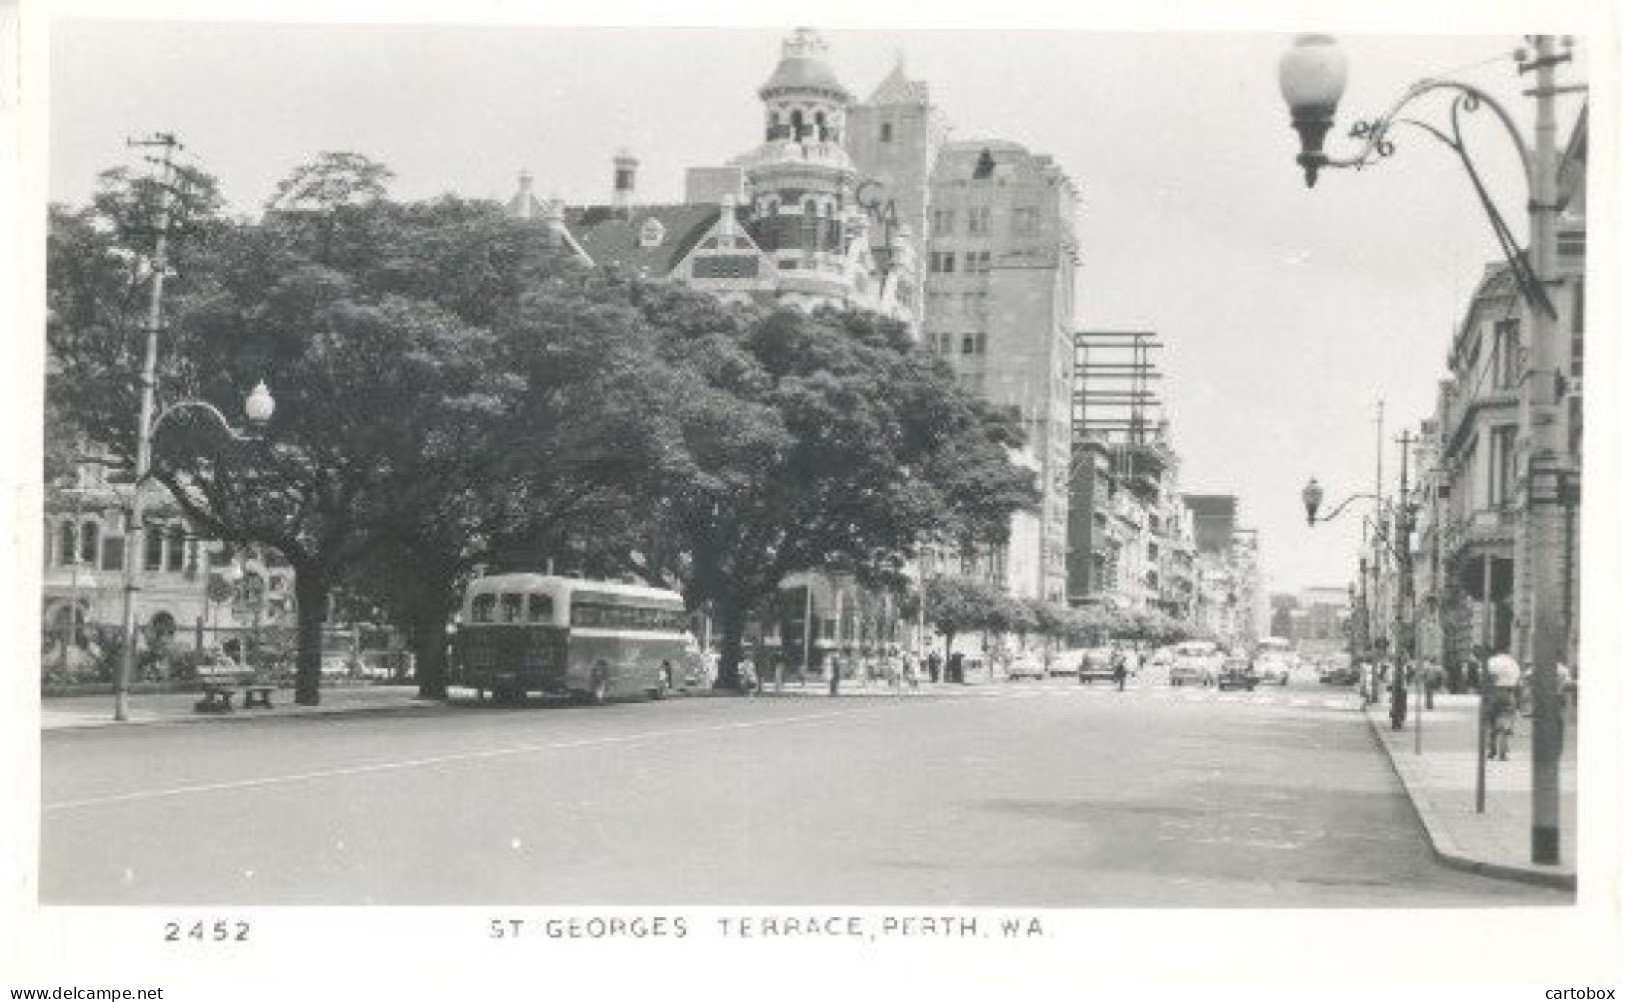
(1236,673)
(1193,661)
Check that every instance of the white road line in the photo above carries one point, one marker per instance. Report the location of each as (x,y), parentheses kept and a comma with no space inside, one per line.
(359,770)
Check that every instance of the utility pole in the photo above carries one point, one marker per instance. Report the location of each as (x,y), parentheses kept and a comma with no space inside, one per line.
(135,554)
(1400,543)
(1547,460)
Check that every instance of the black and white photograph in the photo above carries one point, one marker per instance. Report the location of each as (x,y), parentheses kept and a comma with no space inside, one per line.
(1109,500)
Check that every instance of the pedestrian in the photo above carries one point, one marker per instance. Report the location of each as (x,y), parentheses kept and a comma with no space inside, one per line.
(911,670)
(1367,680)
(1432,679)
(1398,700)
(1472,674)
(1502,705)
(1119,667)
(933,666)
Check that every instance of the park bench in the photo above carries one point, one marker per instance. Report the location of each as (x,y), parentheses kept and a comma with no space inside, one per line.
(219,691)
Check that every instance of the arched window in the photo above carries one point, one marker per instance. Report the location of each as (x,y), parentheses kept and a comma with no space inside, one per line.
(823,129)
(797,124)
(89,537)
(66,551)
(809,207)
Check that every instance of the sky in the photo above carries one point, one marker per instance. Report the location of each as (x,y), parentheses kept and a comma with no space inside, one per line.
(1287,313)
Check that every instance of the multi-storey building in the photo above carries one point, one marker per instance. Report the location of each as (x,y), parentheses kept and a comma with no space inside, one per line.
(834,207)
(1230,602)
(788,222)
(193,592)
(1485,492)
(1315,619)
(1000,286)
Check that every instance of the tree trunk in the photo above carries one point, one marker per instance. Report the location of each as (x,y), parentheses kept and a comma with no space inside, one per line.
(731,621)
(310,594)
(429,651)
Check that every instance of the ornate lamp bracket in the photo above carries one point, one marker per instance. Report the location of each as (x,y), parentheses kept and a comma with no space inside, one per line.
(1375,145)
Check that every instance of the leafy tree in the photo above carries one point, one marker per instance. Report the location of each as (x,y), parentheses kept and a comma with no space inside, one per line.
(954,605)
(822,442)
(1088,625)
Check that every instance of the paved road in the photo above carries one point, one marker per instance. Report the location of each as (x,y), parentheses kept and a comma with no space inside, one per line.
(1029,794)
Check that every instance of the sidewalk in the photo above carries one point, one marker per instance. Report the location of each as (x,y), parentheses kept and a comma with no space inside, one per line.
(65,712)
(1442,784)
(62,712)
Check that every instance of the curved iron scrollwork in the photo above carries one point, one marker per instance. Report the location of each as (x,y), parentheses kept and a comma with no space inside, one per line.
(1375,132)
(1375,145)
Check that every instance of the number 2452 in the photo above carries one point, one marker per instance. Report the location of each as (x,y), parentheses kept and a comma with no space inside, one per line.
(203,932)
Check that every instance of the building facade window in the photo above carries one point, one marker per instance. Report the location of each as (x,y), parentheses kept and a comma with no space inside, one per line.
(979,219)
(175,558)
(1024,220)
(1503,470)
(978,262)
(155,550)
(967,345)
(65,550)
(885,132)
(942,222)
(1506,356)
(89,542)
(942,262)
(1577,327)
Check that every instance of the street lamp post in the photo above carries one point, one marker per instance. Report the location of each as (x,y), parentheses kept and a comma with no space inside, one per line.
(1312,77)
(1399,544)
(258,410)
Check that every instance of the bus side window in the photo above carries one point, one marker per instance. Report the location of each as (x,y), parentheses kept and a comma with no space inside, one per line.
(541,608)
(511,604)
(484,609)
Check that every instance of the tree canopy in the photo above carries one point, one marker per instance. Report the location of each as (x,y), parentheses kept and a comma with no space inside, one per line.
(451,389)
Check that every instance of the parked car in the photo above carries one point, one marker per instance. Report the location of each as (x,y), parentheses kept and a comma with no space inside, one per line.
(1096,662)
(1339,672)
(1236,673)
(1024,666)
(1272,669)
(1194,661)
(1066,662)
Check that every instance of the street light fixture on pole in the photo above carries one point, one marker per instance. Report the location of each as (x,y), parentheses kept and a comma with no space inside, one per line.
(1398,542)
(1312,77)
(258,410)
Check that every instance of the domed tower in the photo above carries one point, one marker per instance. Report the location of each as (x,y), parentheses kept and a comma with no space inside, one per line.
(801,180)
